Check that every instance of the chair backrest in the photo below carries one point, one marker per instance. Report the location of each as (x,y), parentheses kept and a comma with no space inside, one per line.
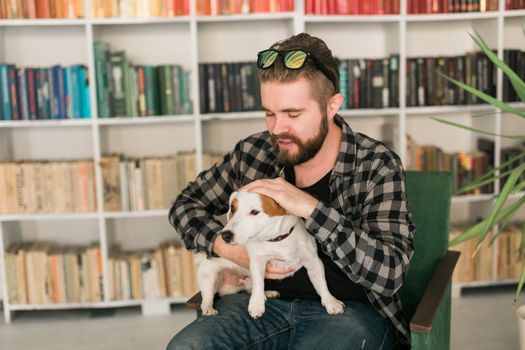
(429,196)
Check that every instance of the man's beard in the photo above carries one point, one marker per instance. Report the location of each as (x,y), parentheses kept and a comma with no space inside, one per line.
(307,150)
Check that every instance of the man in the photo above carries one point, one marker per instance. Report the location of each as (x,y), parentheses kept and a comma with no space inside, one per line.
(348,188)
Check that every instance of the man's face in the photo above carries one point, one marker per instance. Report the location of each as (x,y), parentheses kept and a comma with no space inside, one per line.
(294,119)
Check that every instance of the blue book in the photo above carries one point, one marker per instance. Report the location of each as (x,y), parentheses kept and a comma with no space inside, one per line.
(57,105)
(65,101)
(6,96)
(85,102)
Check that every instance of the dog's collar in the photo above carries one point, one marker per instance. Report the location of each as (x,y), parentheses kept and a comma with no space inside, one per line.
(281,237)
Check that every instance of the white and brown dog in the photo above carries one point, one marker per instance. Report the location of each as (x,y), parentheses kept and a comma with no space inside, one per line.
(269,233)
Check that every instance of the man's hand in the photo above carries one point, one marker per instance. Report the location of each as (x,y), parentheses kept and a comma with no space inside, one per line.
(239,255)
(292,199)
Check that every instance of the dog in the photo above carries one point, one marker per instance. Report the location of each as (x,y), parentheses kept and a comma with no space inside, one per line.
(269,234)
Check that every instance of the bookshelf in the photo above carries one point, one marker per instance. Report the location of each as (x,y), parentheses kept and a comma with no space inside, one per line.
(188,41)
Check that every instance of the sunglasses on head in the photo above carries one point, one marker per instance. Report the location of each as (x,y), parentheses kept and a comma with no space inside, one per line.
(292,59)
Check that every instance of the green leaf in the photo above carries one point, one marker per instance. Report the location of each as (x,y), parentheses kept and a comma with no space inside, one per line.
(517,83)
(477,229)
(485,97)
(519,187)
(522,243)
(520,284)
(490,176)
(500,201)
(513,137)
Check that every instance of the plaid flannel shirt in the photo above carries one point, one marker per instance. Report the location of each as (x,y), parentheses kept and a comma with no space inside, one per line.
(367,230)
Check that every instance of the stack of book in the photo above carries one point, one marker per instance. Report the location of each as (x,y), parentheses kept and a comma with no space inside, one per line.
(139,8)
(147,183)
(515,59)
(479,267)
(351,7)
(450,6)
(369,83)
(44,93)
(31,9)
(128,90)
(47,187)
(40,273)
(514,4)
(231,7)
(168,271)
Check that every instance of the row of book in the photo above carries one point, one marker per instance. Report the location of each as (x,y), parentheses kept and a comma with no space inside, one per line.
(514,4)
(464,166)
(167,271)
(479,267)
(47,187)
(126,89)
(232,7)
(507,154)
(139,8)
(44,93)
(351,7)
(427,87)
(369,83)
(39,273)
(515,59)
(147,183)
(229,87)
(451,6)
(31,9)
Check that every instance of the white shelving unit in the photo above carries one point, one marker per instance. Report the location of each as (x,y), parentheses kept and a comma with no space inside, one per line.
(193,39)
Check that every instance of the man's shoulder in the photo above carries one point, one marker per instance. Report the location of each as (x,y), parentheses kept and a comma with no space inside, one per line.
(372,153)
(255,143)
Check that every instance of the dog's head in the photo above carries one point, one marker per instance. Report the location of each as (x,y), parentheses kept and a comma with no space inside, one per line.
(253,217)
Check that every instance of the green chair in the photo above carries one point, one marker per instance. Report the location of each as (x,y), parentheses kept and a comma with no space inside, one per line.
(426,293)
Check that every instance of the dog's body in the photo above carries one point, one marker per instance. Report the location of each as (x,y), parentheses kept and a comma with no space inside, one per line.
(269,234)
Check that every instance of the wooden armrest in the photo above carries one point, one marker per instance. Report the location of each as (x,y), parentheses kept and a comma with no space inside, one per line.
(194,302)
(428,305)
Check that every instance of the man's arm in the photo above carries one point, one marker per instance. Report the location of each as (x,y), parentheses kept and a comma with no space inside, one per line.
(194,210)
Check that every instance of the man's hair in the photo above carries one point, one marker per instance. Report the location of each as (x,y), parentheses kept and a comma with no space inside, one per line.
(322,88)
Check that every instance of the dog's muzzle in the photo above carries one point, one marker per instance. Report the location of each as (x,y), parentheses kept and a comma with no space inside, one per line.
(227,236)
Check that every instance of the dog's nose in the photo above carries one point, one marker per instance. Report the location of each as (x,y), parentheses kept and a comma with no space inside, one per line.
(227,236)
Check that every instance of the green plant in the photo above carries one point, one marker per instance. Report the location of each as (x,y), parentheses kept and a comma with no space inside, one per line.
(500,215)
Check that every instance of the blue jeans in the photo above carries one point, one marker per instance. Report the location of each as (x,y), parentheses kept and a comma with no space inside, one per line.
(286,324)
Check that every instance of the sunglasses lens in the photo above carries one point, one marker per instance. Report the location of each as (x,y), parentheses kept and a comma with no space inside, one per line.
(266,58)
(295,59)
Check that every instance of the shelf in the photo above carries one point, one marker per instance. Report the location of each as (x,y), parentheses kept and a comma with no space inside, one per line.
(248,17)
(514,13)
(368,112)
(139,20)
(447,17)
(92,305)
(136,214)
(450,109)
(45,123)
(42,22)
(474,284)
(352,19)
(233,116)
(186,118)
(472,198)
(52,216)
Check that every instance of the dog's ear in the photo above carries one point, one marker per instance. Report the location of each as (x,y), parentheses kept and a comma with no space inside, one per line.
(232,206)
(271,207)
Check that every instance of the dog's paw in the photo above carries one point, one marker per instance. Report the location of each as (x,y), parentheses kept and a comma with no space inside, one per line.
(210,311)
(334,306)
(256,307)
(272,294)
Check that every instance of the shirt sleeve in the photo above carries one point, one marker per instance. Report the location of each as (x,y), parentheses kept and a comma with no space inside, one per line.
(194,210)
(375,250)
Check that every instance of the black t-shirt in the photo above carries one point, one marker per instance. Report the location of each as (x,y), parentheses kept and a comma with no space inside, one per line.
(299,285)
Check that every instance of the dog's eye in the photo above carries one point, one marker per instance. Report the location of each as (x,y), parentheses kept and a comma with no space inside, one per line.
(254,212)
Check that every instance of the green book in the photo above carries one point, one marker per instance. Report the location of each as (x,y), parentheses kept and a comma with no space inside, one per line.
(118,93)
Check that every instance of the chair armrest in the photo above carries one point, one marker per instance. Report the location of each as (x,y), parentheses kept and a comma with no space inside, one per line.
(428,305)
(194,302)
